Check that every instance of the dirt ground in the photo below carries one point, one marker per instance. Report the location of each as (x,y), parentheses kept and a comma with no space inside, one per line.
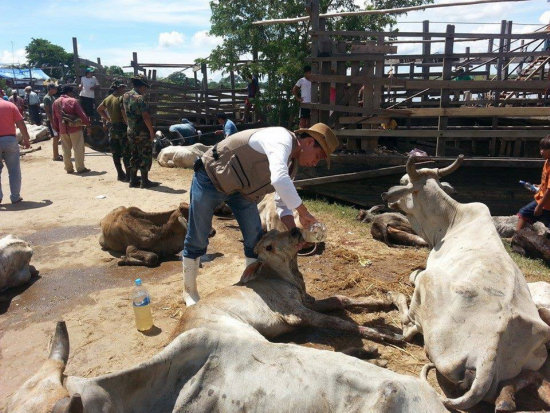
(81,284)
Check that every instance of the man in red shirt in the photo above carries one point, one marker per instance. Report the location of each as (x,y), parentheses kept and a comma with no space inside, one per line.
(66,113)
(9,148)
(18,101)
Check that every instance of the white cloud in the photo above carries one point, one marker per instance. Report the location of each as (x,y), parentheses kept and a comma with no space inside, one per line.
(545,17)
(7,57)
(191,12)
(203,40)
(169,39)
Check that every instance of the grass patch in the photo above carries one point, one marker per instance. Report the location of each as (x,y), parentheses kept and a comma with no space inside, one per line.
(534,270)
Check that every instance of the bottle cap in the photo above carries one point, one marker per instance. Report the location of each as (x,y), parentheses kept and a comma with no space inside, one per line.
(138,281)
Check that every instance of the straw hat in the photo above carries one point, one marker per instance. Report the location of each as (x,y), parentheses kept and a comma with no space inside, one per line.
(324,136)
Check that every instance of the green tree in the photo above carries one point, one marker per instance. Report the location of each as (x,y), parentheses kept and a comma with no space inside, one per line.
(43,53)
(180,79)
(114,71)
(280,50)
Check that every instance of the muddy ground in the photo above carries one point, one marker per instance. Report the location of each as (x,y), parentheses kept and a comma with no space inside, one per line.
(81,284)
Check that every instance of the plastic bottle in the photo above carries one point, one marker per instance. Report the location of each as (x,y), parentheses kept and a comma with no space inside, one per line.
(529,186)
(316,233)
(142,307)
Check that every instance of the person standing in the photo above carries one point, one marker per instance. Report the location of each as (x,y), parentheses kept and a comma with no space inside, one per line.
(33,103)
(229,127)
(48,104)
(140,132)
(240,170)
(302,93)
(18,101)
(88,86)
(9,148)
(110,111)
(68,120)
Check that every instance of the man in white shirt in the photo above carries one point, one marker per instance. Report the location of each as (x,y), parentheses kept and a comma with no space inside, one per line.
(33,103)
(241,170)
(302,93)
(88,85)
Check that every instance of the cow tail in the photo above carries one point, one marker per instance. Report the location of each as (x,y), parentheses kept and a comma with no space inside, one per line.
(485,375)
(425,370)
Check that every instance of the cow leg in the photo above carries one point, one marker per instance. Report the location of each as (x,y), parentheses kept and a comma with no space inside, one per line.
(505,401)
(409,328)
(544,391)
(406,238)
(138,257)
(307,317)
(341,302)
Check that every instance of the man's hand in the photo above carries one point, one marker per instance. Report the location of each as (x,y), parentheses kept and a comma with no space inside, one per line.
(219,132)
(538,210)
(306,219)
(26,144)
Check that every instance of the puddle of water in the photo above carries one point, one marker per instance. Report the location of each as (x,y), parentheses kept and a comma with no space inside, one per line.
(58,234)
(57,292)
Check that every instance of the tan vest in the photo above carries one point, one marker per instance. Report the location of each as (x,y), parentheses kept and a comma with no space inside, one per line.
(233,166)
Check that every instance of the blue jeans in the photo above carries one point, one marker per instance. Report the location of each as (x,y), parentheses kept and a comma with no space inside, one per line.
(204,199)
(527,212)
(9,153)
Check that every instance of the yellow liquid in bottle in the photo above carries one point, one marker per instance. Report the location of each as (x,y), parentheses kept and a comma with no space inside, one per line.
(144,319)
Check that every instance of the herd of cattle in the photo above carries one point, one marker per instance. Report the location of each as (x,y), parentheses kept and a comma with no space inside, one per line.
(485,329)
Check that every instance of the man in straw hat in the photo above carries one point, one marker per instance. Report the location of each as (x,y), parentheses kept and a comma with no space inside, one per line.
(240,170)
(110,111)
(140,132)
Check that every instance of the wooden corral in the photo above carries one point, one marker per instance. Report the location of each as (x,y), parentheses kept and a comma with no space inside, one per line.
(497,107)
(170,103)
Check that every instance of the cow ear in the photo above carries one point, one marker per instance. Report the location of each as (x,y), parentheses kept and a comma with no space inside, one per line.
(250,272)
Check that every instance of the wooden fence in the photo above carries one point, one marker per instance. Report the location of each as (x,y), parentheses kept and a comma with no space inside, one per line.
(500,109)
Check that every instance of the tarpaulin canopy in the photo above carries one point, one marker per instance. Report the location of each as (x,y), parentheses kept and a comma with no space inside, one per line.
(22,74)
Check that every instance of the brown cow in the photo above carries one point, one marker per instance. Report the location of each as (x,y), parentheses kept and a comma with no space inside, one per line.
(144,236)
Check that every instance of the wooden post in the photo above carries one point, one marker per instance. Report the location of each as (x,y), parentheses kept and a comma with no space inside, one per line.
(426,51)
(500,60)
(488,65)
(507,48)
(447,73)
(232,77)
(99,61)
(155,75)
(76,60)
(205,89)
(315,23)
(135,63)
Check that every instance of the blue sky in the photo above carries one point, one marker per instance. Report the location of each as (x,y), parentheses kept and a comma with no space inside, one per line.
(175,31)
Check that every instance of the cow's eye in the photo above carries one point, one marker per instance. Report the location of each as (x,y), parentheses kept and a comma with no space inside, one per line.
(268,248)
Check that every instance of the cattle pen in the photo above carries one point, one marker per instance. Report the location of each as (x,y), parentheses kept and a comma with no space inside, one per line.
(485,95)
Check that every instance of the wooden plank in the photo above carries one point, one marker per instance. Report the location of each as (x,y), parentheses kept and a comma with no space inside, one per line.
(372,47)
(370,34)
(464,111)
(450,133)
(355,175)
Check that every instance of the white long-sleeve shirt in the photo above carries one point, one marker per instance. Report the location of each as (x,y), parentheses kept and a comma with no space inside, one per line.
(276,144)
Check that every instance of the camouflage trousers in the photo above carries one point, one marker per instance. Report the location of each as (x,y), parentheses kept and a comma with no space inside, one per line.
(118,142)
(141,150)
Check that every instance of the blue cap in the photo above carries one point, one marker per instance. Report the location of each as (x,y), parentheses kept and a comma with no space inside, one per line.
(138,281)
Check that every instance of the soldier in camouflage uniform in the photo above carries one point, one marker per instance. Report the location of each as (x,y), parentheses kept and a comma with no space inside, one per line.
(111,112)
(140,132)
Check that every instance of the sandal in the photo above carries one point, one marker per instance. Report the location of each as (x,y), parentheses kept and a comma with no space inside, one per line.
(58,158)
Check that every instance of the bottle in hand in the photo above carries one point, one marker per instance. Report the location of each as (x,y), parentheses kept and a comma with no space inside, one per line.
(142,307)
(529,186)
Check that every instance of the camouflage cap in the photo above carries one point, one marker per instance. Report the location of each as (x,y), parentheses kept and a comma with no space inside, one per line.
(117,84)
(139,80)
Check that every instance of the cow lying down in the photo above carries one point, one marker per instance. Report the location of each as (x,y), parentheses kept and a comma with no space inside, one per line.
(223,362)
(482,330)
(181,156)
(392,228)
(15,256)
(530,243)
(144,236)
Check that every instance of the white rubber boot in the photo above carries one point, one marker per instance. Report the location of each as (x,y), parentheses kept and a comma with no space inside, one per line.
(190,272)
(248,261)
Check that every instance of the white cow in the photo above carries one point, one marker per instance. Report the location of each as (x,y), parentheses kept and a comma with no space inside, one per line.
(269,217)
(15,255)
(181,156)
(471,303)
(37,133)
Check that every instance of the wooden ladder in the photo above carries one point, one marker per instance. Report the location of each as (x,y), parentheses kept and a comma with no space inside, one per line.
(528,73)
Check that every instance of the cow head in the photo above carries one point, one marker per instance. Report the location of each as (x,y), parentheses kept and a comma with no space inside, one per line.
(425,200)
(403,196)
(278,251)
(44,392)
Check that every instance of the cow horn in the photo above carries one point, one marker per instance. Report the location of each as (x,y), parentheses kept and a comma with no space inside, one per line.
(60,343)
(441,172)
(411,169)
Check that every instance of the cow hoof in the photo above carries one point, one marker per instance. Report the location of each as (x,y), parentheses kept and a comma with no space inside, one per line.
(505,406)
